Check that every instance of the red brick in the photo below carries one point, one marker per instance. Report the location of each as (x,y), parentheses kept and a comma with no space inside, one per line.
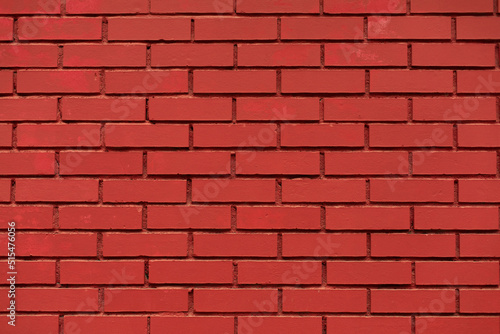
(377,6)
(479,191)
(323,81)
(100,218)
(331,190)
(144,244)
(6,82)
(102,272)
(56,190)
(324,245)
(479,301)
(182,163)
(239,190)
(195,325)
(192,6)
(190,109)
(412,190)
(369,273)
(60,28)
(6,28)
(409,27)
(5,135)
(366,163)
(373,54)
(413,301)
(324,300)
(45,324)
(146,82)
(181,55)
(189,217)
(240,81)
(479,135)
(58,135)
(373,325)
(27,163)
(479,245)
(190,272)
(149,28)
(470,27)
(454,109)
(29,109)
(459,325)
(110,55)
(292,325)
(322,28)
(453,55)
(235,300)
(413,245)
(342,109)
(57,299)
(454,163)
(274,55)
(30,55)
(61,81)
(145,300)
(268,163)
(456,218)
(270,218)
(411,135)
(235,135)
(100,163)
(478,82)
(235,245)
(146,135)
(105,324)
(279,272)
(56,245)
(155,191)
(5,186)
(31,272)
(277,109)
(451,6)
(368,218)
(26,217)
(324,135)
(106,7)
(103,109)
(411,81)
(235,28)
(457,273)
(278,6)
(30,7)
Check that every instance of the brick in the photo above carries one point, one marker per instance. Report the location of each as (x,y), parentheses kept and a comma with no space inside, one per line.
(149,28)
(6,82)
(324,300)
(377,6)
(372,54)
(271,218)
(57,299)
(30,7)
(412,190)
(479,301)
(100,218)
(453,55)
(235,28)
(5,186)
(103,109)
(322,28)
(331,190)
(456,218)
(234,300)
(56,190)
(190,109)
(240,81)
(183,163)
(240,190)
(56,245)
(342,109)
(324,245)
(58,135)
(463,109)
(413,245)
(31,272)
(61,81)
(455,163)
(146,82)
(479,191)
(411,81)
(274,55)
(479,245)
(478,82)
(5,135)
(146,135)
(27,163)
(235,135)
(478,135)
(409,27)
(192,6)
(375,325)
(57,28)
(145,300)
(279,272)
(190,272)
(29,55)
(459,325)
(450,6)
(207,325)
(324,135)
(45,324)
(144,244)
(411,135)
(197,55)
(100,163)
(278,6)
(102,272)
(106,7)
(272,324)
(268,163)
(155,191)
(29,109)
(111,55)
(189,217)
(105,324)
(473,28)
(6,28)
(277,109)
(457,273)
(366,163)
(413,301)
(323,81)
(369,273)
(368,218)
(235,245)
(26,217)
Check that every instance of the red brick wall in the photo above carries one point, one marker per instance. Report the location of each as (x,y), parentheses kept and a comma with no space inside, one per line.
(251,166)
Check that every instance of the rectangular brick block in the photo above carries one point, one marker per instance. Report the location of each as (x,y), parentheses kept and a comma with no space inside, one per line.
(277,109)
(454,163)
(103,109)
(149,29)
(479,135)
(235,135)
(278,6)
(323,135)
(188,163)
(56,245)
(235,245)
(102,272)
(146,135)
(413,301)
(271,218)
(190,109)
(474,28)
(190,272)
(379,325)
(209,325)
(412,81)
(459,325)
(366,163)
(100,218)
(100,163)
(457,273)
(456,218)
(376,6)
(199,55)
(111,55)
(235,300)
(274,55)
(145,300)
(411,135)
(456,55)
(235,28)
(27,163)
(323,81)
(189,217)
(479,191)
(302,190)
(240,81)
(136,191)
(146,82)
(368,218)
(240,190)
(106,7)
(449,6)
(63,81)
(279,272)
(373,54)
(6,28)
(28,109)
(57,190)
(479,245)
(322,28)
(367,273)
(192,6)
(409,27)
(57,299)
(324,245)
(479,301)
(56,28)
(103,324)
(29,55)
(58,135)
(144,244)
(413,245)
(454,109)
(269,163)
(26,217)
(30,7)
(324,300)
